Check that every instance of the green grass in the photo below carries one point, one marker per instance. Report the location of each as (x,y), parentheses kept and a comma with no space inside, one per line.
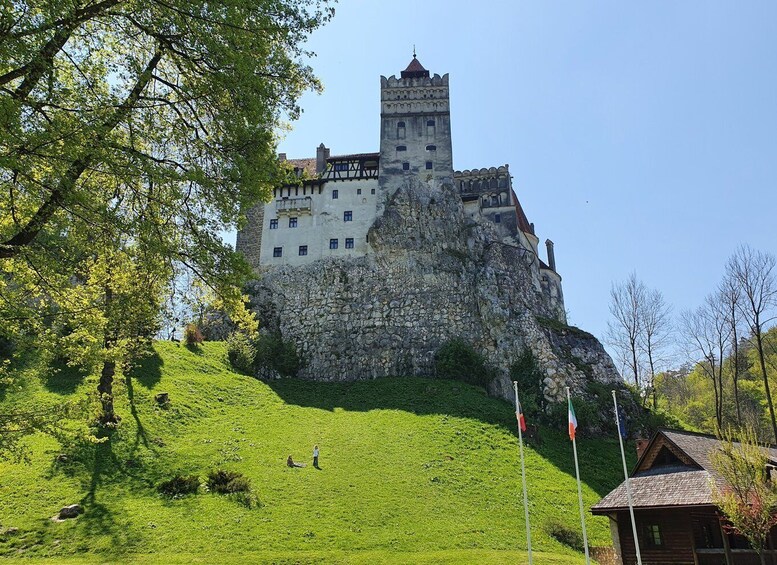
(412,470)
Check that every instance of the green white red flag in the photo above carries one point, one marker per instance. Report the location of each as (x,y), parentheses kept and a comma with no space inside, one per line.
(572,421)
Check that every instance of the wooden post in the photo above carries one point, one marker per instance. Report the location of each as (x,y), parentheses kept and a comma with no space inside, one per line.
(726,547)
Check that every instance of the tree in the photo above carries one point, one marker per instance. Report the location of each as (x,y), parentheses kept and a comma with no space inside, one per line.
(132,133)
(707,335)
(624,331)
(730,295)
(747,497)
(752,272)
(656,331)
(639,330)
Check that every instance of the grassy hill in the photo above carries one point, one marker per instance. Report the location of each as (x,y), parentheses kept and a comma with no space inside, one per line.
(412,470)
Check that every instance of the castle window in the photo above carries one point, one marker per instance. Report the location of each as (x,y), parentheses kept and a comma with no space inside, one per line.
(332,244)
(498,218)
(334,194)
(400,130)
(303,250)
(292,222)
(405,166)
(429,127)
(430,123)
(274,224)
(429,165)
(502,183)
(372,191)
(349,243)
(358,191)
(341,166)
(431,148)
(277,251)
(348,216)
(401,147)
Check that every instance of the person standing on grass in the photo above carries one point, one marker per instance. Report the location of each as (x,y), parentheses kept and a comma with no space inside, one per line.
(315,456)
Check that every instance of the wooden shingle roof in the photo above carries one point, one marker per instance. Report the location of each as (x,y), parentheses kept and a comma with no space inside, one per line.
(686,482)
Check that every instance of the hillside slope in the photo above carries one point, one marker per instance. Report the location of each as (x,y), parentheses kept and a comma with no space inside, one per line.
(408,466)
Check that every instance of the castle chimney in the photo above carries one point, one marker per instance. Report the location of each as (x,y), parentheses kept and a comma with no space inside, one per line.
(281,157)
(551,254)
(322,154)
(642,444)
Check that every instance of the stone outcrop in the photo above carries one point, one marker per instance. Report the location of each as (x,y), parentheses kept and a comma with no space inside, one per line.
(434,273)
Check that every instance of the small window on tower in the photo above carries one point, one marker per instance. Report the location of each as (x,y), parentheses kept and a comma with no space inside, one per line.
(358,191)
(405,166)
(277,252)
(332,244)
(429,165)
(303,250)
(430,127)
(498,218)
(349,243)
(335,194)
(401,147)
(431,148)
(348,216)
(400,130)
(372,191)
(274,224)
(292,222)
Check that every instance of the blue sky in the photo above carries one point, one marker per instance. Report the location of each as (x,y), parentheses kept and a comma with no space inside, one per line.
(642,136)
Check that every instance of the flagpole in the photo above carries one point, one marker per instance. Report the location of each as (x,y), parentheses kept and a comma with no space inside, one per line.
(579,493)
(523,478)
(626,475)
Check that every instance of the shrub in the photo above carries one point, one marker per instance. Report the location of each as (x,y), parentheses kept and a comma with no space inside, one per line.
(527,374)
(179,485)
(241,352)
(457,360)
(192,335)
(564,534)
(247,499)
(228,482)
(275,353)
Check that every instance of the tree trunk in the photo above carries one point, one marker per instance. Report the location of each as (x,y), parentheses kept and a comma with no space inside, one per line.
(760,345)
(105,385)
(736,377)
(105,388)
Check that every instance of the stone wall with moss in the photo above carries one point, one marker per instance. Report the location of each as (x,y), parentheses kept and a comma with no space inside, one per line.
(434,274)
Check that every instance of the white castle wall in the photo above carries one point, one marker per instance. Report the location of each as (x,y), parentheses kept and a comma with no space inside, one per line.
(325,220)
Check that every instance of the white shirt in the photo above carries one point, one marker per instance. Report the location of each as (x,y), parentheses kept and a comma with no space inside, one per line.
(315,452)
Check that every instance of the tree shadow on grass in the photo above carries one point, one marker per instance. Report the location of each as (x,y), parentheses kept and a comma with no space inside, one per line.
(63,379)
(425,396)
(147,370)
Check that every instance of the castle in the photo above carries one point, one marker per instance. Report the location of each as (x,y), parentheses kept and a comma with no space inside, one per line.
(371,262)
(329,213)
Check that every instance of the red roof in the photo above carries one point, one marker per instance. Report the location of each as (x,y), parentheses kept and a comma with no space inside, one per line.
(523,221)
(415,70)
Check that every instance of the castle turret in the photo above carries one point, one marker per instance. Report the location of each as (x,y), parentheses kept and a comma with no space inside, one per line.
(415,133)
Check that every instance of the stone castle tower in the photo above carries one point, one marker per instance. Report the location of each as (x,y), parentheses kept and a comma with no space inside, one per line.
(415,127)
(374,260)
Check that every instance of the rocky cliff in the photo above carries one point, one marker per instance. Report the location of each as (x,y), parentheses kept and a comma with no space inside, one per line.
(434,274)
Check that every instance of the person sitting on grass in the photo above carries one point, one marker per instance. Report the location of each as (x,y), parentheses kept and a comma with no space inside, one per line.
(290,462)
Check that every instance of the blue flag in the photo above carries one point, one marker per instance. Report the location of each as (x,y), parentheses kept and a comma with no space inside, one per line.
(622,424)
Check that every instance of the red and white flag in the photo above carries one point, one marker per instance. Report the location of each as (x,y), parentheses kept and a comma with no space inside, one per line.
(519,415)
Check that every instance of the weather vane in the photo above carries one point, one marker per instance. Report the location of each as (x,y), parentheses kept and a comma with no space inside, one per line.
(414,51)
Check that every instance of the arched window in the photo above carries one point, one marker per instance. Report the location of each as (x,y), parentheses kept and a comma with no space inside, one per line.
(401,147)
